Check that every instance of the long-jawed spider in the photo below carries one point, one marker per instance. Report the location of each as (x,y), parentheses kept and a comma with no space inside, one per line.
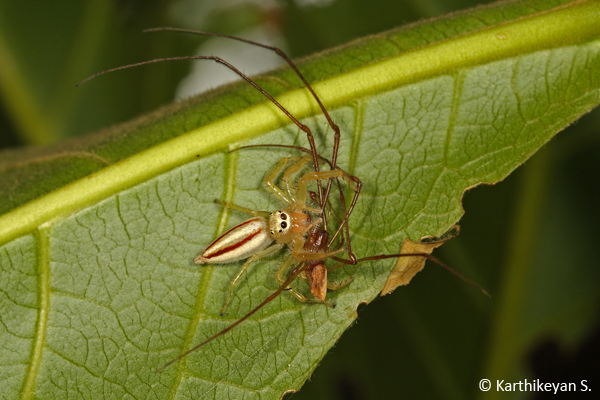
(302,227)
(252,239)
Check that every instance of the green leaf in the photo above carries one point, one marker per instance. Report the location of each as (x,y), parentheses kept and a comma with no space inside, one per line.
(98,282)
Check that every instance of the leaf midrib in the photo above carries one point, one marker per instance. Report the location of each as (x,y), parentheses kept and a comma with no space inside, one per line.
(572,24)
(231,162)
(43,240)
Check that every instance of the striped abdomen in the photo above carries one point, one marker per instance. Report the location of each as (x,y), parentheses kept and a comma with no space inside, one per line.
(238,243)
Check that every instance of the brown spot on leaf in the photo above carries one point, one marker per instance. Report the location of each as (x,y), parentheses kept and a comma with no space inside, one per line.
(407,267)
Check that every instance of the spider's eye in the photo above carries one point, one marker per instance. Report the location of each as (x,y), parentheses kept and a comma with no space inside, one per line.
(280,226)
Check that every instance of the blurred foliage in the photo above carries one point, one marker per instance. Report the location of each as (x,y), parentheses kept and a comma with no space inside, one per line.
(530,241)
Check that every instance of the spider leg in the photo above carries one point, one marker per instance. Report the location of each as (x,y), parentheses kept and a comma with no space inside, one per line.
(250,211)
(315,176)
(353,182)
(305,256)
(280,194)
(287,176)
(261,254)
(338,285)
(299,296)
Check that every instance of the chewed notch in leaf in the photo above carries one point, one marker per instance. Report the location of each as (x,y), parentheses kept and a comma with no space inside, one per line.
(407,267)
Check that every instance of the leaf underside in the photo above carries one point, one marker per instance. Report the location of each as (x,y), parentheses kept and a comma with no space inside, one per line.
(92,303)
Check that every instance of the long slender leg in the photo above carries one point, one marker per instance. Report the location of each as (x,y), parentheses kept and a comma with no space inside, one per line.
(314,223)
(338,285)
(298,196)
(344,222)
(313,176)
(343,226)
(348,212)
(305,256)
(261,254)
(299,296)
(309,134)
(287,176)
(279,276)
(424,255)
(303,299)
(285,265)
(304,277)
(280,194)
(336,129)
(335,173)
(250,211)
(352,181)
